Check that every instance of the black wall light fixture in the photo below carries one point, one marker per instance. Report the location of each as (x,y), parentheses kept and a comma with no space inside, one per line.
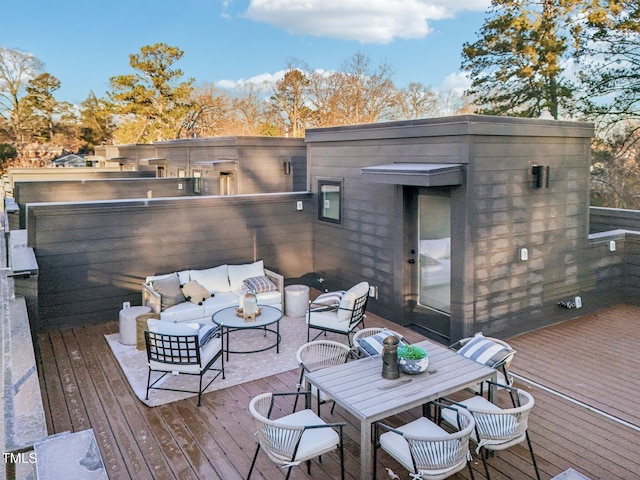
(540,176)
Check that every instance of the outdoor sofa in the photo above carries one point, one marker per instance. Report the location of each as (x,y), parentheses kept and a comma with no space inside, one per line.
(195,295)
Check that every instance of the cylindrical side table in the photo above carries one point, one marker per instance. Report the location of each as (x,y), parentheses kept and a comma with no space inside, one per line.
(127,323)
(141,326)
(296,300)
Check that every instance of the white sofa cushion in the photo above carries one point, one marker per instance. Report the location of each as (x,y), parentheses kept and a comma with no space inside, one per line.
(215,279)
(183,312)
(220,301)
(238,273)
(349,299)
(273,298)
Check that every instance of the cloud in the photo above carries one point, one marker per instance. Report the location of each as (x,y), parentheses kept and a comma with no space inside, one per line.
(261,80)
(457,82)
(366,21)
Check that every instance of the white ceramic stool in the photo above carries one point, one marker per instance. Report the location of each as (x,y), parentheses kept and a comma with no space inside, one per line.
(127,324)
(296,300)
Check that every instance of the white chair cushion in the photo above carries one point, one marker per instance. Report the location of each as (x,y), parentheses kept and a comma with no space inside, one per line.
(238,273)
(349,298)
(398,447)
(313,440)
(213,279)
(171,328)
(207,352)
(328,320)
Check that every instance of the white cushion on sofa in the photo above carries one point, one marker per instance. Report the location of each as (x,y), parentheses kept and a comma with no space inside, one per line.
(183,312)
(349,299)
(269,298)
(220,301)
(213,279)
(238,273)
(183,275)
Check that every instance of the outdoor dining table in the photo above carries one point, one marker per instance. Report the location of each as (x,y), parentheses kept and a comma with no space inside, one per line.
(359,388)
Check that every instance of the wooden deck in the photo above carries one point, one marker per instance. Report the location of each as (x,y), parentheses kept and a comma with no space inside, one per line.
(586,383)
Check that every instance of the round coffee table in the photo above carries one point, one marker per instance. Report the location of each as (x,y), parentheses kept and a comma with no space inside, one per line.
(229,322)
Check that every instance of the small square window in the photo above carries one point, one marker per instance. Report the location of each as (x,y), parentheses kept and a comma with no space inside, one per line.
(330,200)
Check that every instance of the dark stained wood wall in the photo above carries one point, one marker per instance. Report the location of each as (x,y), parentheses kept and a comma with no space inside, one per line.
(98,189)
(494,214)
(94,256)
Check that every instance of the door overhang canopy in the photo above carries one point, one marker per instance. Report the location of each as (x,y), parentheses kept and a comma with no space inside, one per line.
(416,174)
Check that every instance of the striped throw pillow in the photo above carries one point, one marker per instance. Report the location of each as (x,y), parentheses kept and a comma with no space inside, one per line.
(373,344)
(260,284)
(485,351)
(327,301)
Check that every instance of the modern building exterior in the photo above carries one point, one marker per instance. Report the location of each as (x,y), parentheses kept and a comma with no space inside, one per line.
(460,224)
(225,165)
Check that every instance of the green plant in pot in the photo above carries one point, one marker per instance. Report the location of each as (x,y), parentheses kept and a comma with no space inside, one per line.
(412,359)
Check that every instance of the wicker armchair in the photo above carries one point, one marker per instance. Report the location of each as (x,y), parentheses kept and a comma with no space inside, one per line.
(498,428)
(425,449)
(317,355)
(294,438)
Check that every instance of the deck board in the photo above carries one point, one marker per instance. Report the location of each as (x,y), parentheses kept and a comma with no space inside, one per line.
(592,359)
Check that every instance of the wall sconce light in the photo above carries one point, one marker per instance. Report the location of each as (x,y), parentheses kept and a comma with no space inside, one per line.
(286,166)
(611,246)
(540,176)
(524,254)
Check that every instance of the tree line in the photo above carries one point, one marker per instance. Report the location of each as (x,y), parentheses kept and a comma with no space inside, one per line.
(156,103)
(575,59)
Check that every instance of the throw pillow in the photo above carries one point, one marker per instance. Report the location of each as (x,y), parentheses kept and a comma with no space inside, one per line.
(486,351)
(214,279)
(373,344)
(238,273)
(260,284)
(195,293)
(327,302)
(169,289)
(206,333)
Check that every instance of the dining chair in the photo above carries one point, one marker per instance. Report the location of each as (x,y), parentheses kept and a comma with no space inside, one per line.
(317,355)
(367,342)
(489,351)
(294,438)
(497,428)
(424,448)
(342,317)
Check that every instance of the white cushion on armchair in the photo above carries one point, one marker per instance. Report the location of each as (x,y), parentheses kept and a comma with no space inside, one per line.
(349,299)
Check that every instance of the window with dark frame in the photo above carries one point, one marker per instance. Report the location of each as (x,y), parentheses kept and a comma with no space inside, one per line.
(330,200)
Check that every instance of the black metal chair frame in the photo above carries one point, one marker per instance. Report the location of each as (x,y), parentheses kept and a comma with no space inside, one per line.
(357,318)
(180,350)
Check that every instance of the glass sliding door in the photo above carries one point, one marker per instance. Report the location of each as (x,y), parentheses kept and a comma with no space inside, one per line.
(434,249)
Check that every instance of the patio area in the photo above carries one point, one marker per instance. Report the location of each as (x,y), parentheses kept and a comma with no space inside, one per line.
(584,375)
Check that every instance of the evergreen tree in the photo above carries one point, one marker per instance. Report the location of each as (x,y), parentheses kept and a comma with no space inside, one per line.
(517,64)
(158,102)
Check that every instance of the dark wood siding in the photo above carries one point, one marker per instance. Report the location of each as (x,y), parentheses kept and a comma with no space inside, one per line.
(94,256)
(104,189)
(494,214)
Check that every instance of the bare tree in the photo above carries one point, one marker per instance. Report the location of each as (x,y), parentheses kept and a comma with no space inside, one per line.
(16,70)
